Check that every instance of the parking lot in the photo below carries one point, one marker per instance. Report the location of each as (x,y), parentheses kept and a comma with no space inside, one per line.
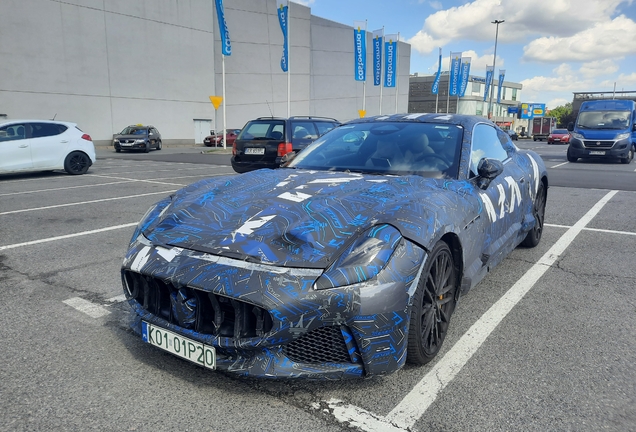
(545,342)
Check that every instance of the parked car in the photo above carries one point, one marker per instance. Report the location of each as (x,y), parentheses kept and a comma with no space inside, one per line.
(216,139)
(138,137)
(265,141)
(44,145)
(513,135)
(347,262)
(559,136)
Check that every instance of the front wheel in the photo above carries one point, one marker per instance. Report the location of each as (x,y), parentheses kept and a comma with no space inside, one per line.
(433,305)
(147,149)
(629,157)
(76,163)
(538,211)
(159,145)
(571,158)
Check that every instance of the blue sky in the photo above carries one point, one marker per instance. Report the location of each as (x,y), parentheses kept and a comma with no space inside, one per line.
(552,47)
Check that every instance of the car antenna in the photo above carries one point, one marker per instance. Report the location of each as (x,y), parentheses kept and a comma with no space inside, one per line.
(270,108)
(54,117)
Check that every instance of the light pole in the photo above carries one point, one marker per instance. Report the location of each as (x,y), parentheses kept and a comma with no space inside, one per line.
(494,61)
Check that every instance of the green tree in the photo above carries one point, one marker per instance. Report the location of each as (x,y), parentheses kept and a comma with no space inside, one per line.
(563,114)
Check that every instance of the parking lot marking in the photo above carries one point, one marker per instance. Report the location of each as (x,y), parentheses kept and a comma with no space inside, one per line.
(140,180)
(595,229)
(65,188)
(67,236)
(425,392)
(117,299)
(561,164)
(90,309)
(86,202)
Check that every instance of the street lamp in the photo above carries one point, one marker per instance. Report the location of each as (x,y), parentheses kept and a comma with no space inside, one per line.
(494,61)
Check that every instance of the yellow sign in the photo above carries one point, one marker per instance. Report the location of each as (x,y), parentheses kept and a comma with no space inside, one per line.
(216,101)
(362,113)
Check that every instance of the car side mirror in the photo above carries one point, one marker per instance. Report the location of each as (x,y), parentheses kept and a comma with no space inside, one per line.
(488,170)
(571,126)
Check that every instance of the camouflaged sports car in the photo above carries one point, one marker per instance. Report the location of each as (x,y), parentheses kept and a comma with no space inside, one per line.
(347,262)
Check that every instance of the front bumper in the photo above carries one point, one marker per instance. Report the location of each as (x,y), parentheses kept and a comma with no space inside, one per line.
(610,149)
(126,146)
(267,321)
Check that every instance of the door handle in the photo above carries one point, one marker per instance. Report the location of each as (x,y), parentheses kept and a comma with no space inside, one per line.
(64,141)
(23,145)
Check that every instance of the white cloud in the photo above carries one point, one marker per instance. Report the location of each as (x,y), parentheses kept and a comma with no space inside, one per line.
(523,19)
(623,81)
(556,103)
(598,68)
(605,40)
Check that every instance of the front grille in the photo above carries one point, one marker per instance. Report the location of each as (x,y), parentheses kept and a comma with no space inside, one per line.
(591,144)
(322,345)
(198,310)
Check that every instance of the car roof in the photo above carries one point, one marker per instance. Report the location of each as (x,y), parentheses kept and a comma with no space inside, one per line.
(464,120)
(12,121)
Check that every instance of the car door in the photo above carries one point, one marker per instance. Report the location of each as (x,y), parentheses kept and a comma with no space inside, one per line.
(502,198)
(49,145)
(15,151)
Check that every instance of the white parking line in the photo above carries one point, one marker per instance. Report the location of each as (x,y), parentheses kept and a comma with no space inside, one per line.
(561,164)
(415,404)
(595,229)
(90,309)
(86,202)
(80,234)
(117,299)
(65,188)
(138,180)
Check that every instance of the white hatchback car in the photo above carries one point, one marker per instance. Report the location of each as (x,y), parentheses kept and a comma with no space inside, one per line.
(44,145)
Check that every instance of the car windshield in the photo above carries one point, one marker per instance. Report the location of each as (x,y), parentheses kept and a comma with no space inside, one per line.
(559,132)
(134,131)
(396,148)
(603,120)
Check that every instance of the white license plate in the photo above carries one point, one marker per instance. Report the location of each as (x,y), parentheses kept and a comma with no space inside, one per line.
(255,151)
(196,352)
(597,152)
(125,144)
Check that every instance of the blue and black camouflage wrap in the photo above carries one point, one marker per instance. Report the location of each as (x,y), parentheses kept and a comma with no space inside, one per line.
(305,273)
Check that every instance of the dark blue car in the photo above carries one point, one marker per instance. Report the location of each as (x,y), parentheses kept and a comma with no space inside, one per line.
(347,262)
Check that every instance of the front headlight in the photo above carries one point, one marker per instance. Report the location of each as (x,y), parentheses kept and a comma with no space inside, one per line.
(622,136)
(140,141)
(152,216)
(363,259)
(577,136)
(116,141)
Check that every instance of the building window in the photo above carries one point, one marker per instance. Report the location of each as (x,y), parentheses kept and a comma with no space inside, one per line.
(476,87)
(514,94)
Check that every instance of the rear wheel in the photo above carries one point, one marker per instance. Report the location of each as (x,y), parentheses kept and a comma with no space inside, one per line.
(433,305)
(629,157)
(538,211)
(76,163)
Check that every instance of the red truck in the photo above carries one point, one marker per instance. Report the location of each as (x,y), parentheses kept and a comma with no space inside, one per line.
(542,127)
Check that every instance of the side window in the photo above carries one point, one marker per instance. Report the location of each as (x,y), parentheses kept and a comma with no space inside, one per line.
(12,132)
(304,130)
(41,130)
(486,144)
(324,127)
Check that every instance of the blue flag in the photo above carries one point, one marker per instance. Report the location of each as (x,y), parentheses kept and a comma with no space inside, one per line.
(435,88)
(378,35)
(489,72)
(226,46)
(502,73)
(390,64)
(465,74)
(282,19)
(360,50)
(455,73)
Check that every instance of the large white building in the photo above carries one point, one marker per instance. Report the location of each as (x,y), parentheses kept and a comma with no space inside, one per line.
(106,64)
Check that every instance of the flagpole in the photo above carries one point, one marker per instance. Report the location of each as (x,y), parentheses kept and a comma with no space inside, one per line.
(397,70)
(288,58)
(364,83)
(381,68)
(440,71)
(450,61)
(224,102)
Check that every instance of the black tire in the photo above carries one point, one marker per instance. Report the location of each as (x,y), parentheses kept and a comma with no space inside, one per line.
(118,150)
(76,163)
(159,145)
(570,157)
(538,211)
(147,149)
(629,157)
(534,139)
(433,305)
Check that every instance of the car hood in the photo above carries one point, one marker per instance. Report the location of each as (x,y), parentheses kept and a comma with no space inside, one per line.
(297,218)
